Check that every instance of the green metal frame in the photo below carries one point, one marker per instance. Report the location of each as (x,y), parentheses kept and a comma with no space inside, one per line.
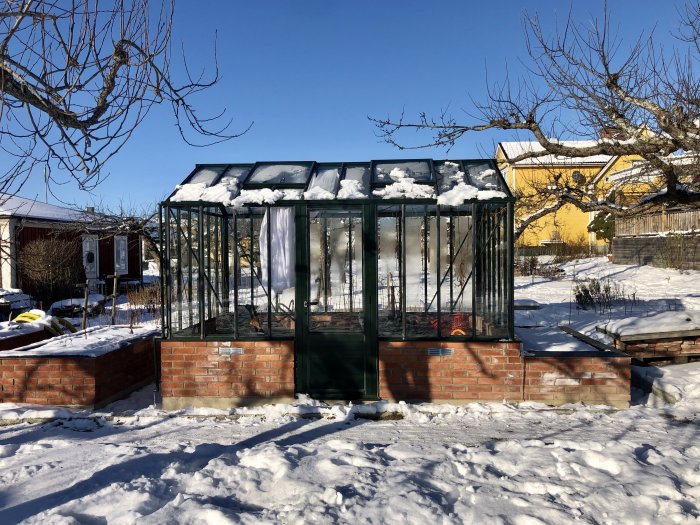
(306,341)
(492,270)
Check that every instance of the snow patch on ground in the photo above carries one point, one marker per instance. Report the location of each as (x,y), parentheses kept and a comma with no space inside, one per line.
(687,320)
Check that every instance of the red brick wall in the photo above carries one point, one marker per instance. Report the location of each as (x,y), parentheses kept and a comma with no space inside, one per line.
(71,380)
(10,343)
(53,381)
(227,369)
(571,379)
(476,371)
(675,347)
(116,373)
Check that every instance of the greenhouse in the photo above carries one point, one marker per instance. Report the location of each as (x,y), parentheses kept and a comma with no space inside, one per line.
(335,262)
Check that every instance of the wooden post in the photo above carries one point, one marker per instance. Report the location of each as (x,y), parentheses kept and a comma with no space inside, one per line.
(114,296)
(664,220)
(85,304)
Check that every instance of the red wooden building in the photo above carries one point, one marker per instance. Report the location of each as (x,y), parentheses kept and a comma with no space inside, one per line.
(105,250)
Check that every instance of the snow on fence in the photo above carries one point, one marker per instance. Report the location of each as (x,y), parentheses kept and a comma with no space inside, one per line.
(673,221)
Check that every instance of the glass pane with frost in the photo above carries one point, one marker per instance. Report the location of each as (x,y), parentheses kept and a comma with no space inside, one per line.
(280,174)
(388,172)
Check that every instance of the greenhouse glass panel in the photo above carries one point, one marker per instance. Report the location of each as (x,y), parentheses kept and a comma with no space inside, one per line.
(355,184)
(215,282)
(456,271)
(389,271)
(492,271)
(388,172)
(236,172)
(267,173)
(206,175)
(421,252)
(324,184)
(449,174)
(484,176)
(277,245)
(253,297)
(184,270)
(335,271)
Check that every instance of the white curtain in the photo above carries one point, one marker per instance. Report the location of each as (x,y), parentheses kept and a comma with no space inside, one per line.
(281,247)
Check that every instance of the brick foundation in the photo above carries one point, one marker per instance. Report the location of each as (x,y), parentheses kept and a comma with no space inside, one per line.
(475,371)
(593,378)
(225,373)
(653,348)
(76,380)
(228,373)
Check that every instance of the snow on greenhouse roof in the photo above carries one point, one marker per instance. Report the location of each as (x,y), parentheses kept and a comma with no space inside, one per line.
(450,182)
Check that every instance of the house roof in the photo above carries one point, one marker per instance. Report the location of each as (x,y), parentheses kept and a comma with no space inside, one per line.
(450,182)
(640,170)
(15,206)
(514,149)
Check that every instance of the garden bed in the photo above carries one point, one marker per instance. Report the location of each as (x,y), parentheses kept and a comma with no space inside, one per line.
(669,335)
(90,368)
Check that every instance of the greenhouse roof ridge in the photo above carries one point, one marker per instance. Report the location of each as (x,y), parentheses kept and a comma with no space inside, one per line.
(449,182)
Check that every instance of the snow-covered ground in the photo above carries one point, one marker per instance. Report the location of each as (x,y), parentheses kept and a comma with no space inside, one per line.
(315,463)
(503,464)
(642,292)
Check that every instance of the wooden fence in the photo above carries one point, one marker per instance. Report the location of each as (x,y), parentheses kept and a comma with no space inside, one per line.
(672,221)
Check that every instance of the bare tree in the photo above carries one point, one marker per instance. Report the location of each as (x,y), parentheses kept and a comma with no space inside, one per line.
(78,76)
(639,100)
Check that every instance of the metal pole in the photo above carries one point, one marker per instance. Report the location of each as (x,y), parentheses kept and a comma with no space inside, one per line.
(114,296)
(200,273)
(438,269)
(178,270)
(350,224)
(452,260)
(510,275)
(402,281)
(426,230)
(190,256)
(85,304)
(476,237)
(236,280)
(164,240)
(269,271)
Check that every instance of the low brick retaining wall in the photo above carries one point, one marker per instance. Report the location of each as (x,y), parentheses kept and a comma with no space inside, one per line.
(75,380)
(594,378)
(647,347)
(466,371)
(229,373)
(225,373)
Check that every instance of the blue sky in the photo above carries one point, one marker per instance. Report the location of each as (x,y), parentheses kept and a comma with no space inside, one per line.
(307,73)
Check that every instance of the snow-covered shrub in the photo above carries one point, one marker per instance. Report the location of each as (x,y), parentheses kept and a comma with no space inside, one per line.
(599,295)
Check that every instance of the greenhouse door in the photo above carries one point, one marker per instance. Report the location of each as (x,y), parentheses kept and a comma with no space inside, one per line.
(336,340)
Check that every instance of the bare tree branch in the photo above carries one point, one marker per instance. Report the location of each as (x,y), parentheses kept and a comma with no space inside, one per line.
(76,79)
(637,100)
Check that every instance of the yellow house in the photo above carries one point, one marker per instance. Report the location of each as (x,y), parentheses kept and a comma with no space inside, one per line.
(526,178)
(630,177)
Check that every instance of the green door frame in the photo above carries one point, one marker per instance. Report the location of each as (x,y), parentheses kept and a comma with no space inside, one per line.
(308,345)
